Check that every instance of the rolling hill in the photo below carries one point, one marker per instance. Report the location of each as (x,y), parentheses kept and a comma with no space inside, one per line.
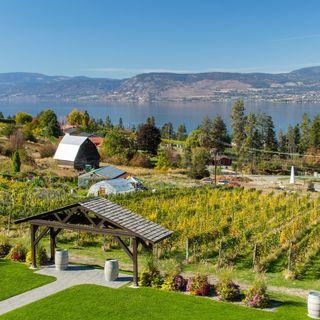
(302,84)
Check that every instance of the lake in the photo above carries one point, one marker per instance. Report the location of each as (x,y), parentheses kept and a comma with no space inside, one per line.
(190,113)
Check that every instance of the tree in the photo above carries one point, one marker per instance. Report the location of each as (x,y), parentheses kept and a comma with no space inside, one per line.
(291,140)
(200,158)
(23,118)
(315,133)
(120,124)
(266,132)
(220,134)
(167,131)
(16,140)
(48,123)
(305,127)
(108,123)
(252,137)
(119,144)
(75,117)
(86,121)
(181,132)
(282,143)
(148,138)
(237,124)
(206,138)
(151,121)
(16,162)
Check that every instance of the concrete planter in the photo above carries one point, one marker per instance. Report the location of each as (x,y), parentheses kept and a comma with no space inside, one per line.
(314,305)
(61,259)
(111,270)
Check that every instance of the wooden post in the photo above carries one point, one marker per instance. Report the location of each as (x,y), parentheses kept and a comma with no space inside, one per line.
(52,244)
(33,230)
(135,260)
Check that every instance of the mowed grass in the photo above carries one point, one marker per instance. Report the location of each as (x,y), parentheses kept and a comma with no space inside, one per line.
(96,302)
(16,278)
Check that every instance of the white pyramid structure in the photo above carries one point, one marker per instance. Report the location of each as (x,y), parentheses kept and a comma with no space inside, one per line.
(292,177)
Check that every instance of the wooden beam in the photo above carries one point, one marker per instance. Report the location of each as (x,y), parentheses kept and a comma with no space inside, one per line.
(33,230)
(52,244)
(135,242)
(60,225)
(41,235)
(124,247)
(57,216)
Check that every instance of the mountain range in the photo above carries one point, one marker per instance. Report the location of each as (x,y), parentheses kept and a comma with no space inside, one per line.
(298,85)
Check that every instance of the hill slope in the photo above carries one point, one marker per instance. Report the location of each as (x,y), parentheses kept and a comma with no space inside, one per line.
(302,84)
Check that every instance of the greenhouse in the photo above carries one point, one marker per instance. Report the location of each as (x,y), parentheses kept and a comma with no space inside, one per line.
(114,186)
(103,173)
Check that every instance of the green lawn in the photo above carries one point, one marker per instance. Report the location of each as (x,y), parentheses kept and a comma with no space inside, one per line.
(95,302)
(16,278)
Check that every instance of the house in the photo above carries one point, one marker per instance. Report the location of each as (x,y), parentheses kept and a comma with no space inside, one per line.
(77,152)
(103,173)
(114,186)
(222,161)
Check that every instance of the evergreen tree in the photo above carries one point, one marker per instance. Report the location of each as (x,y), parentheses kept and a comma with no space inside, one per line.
(266,132)
(1,115)
(237,124)
(206,138)
(108,123)
(167,131)
(49,124)
(305,128)
(181,132)
(282,142)
(252,137)
(16,162)
(151,121)
(219,134)
(291,140)
(315,133)
(120,124)
(148,138)
(86,121)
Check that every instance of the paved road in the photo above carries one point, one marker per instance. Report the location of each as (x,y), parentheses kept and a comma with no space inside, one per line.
(75,275)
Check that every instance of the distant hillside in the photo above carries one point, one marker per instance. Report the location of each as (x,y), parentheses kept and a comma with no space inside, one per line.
(298,85)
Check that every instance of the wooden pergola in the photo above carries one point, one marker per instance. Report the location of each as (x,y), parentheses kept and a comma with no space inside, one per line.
(98,216)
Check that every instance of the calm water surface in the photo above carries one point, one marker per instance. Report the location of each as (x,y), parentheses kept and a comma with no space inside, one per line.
(190,113)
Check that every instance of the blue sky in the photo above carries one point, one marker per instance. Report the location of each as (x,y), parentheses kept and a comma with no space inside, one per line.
(121,38)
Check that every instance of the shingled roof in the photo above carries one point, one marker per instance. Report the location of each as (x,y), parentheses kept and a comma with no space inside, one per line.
(113,214)
(126,219)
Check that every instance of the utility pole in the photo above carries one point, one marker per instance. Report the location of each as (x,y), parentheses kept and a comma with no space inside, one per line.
(214,153)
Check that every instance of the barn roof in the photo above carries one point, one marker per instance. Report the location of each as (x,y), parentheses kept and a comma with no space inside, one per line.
(109,172)
(68,147)
(113,214)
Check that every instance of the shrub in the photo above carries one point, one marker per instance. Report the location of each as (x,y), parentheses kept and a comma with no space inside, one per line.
(141,160)
(168,284)
(5,247)
(151,276)
(17,253)
(42,257)
(47,150)
(226,289)
(256,296)
(180,283)
(199,285)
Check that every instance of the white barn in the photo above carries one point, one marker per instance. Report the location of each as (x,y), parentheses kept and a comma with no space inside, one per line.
(77,152)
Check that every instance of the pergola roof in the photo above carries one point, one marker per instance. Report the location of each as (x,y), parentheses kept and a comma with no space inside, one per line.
(108,218)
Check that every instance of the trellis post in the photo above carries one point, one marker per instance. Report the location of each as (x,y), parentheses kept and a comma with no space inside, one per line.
(135,260)
(33,230)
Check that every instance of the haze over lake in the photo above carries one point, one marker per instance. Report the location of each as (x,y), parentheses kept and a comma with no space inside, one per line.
(190,113)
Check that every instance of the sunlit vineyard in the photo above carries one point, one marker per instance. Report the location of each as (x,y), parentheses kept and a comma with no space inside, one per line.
(235,227)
